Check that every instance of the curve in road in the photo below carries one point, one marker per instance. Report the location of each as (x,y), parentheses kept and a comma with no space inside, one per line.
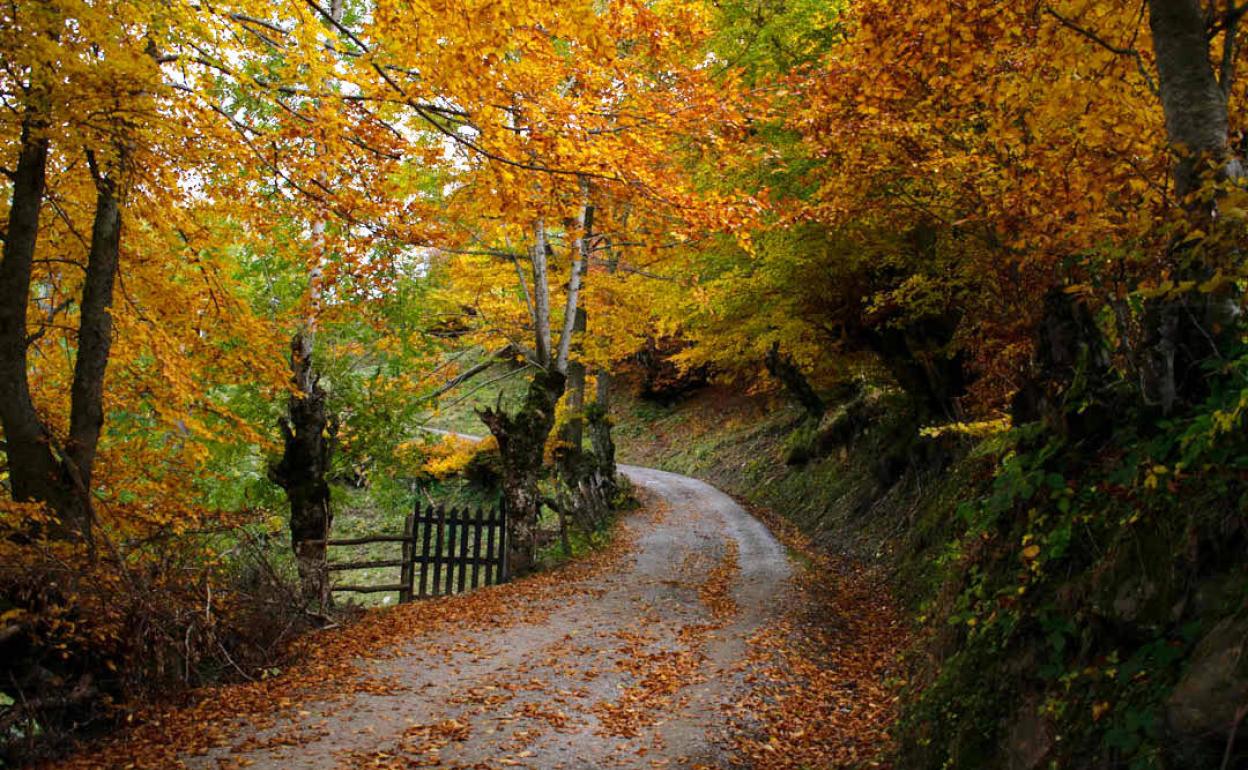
(639,668)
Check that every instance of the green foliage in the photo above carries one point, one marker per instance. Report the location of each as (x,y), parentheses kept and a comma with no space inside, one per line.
(1073,577)
(800,445)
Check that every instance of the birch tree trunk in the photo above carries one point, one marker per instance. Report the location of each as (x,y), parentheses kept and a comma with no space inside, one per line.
(1195,104)
(574,326)
(586,486)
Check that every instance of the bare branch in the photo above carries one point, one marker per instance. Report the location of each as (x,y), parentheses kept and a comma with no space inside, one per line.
(541,294)
(486,384)
(472,371)
(580,260)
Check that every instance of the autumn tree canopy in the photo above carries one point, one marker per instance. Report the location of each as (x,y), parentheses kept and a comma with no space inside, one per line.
(334,216)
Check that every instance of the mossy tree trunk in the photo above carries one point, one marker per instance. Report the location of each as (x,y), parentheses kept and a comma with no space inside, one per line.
(522,446)
(598,416)
(308,436)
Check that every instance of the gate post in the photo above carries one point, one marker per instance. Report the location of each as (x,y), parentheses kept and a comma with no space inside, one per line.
(409,548)
(503,539)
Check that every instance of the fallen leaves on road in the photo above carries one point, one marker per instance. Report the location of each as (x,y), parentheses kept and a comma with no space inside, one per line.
(820,694)
(659,675)
(328,672)
(812,693)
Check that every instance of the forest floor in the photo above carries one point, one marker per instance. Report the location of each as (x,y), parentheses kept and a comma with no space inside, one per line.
(692,641)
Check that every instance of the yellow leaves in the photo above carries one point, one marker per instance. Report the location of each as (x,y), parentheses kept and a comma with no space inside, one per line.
(19,516)
(453,454)
(1152,479)
(9,616)
(978,429)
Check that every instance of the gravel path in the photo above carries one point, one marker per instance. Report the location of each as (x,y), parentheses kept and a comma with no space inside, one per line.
(639,668)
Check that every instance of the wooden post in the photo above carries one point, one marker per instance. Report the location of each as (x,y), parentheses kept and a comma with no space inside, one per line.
(452,535)
(492,571)
(409,544)
(502,536)
(476,548)
(563,534)
(425,531)
(437,552)
(465,527)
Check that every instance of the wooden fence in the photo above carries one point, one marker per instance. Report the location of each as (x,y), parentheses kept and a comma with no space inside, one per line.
(443,552)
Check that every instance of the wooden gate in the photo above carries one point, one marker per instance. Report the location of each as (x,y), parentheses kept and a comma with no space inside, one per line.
(443,552)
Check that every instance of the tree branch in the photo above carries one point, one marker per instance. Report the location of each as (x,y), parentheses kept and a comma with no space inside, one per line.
(1108,46)
(580,260)
(425,115)
(472,371)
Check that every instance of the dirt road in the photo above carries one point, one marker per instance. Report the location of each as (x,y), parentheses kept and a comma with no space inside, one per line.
(639,667)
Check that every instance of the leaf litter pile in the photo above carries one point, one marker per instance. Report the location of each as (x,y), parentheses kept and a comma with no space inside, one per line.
(820,690)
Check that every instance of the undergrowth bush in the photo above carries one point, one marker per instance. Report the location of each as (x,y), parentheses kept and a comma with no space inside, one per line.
(1078,586)
(86,631)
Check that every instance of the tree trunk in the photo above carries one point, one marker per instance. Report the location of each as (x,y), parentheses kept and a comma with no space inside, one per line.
(1069,372)
(599,418)
(95,338)
(1194,103)
(522,444)
(1182,331)
(308,434)
(919,357)
(34,473)
(574,428)
(784,369)
(541,296)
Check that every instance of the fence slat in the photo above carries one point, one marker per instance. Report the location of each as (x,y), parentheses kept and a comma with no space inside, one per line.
(452,548)
(461,558)
(362,540)
(437,552)
(476,546)
(405,569)
(424,552)
(350,565)
(504,557)
(491,570)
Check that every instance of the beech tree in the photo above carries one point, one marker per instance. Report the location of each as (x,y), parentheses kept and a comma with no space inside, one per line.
(1195,81)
